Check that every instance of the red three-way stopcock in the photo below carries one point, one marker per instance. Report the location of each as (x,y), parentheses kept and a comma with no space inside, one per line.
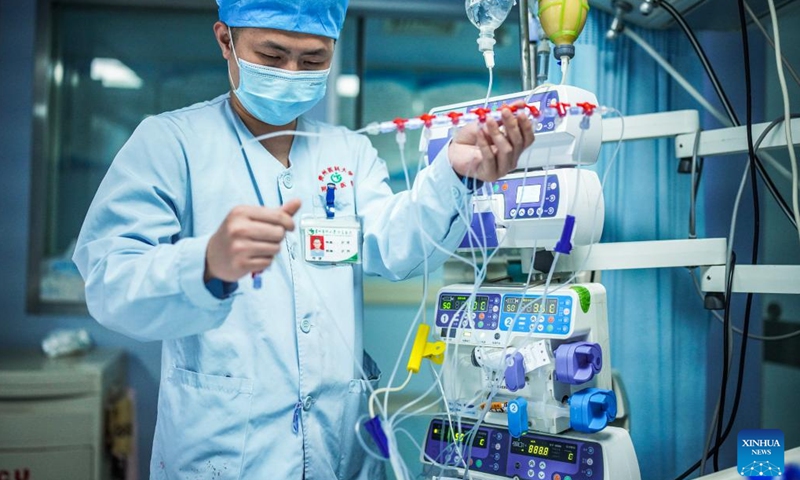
(481,113)
(534,111)
(560,107)
(455,117)
(401,124)
(427,119)
(588,108)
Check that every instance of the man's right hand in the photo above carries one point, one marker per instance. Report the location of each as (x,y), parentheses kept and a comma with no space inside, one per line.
(248,240)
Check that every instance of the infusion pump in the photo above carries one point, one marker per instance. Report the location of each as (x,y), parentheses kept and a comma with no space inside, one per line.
(454,451)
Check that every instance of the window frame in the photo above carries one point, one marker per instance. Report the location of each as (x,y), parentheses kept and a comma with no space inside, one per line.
(45,129)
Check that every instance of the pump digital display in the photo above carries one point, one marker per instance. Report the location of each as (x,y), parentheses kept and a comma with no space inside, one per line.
(529,194)
(448,434)
(530,305)
(455,302)
(551,450)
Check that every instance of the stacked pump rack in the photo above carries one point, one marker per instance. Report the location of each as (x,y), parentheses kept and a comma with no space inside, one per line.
(526,374)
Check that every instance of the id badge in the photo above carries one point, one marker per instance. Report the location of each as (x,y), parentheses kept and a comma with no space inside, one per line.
(331,241)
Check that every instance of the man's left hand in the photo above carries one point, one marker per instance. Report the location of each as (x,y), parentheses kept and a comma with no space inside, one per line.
(486,151)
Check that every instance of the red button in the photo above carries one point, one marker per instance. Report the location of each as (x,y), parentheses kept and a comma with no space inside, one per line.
(481,316)
(551,319)
(556,477)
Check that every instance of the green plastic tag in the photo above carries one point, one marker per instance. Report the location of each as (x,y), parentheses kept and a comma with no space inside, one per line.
(584,296)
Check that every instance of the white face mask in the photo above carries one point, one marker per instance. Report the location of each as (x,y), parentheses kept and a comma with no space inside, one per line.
(277,96)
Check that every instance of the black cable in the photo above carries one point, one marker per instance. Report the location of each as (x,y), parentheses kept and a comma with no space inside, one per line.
(773,190)
(703,59)
(726,323)
(756,209)
(766,178)
(756,222)
(725,355)
(695,190)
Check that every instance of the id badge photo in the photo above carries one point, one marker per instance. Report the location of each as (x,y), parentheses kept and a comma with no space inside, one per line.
(331,241)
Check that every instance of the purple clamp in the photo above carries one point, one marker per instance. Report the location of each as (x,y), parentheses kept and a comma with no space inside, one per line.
(375,429)
(565,244)
(578,362)
(482,232)
(515,372)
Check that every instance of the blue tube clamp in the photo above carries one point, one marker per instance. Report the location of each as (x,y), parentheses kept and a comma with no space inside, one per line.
(591,409)
(517,411)
(375,430)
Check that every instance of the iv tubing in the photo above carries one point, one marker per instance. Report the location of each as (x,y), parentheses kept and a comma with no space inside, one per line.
(786,113)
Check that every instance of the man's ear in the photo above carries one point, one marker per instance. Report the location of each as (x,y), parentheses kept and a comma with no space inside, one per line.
(221,33)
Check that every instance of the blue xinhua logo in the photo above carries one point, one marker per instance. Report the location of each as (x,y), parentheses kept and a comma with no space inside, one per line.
(760,453)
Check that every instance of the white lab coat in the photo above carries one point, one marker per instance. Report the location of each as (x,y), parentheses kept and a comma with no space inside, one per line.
(240,375)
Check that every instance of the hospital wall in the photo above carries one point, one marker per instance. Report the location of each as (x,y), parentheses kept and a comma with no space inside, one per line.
(19,329)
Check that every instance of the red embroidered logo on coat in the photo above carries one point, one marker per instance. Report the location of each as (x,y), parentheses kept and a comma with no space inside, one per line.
(338,175)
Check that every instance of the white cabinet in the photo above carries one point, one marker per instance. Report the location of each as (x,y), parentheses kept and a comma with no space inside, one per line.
(52,414)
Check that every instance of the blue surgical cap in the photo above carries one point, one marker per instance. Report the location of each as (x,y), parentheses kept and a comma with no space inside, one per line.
(316,17)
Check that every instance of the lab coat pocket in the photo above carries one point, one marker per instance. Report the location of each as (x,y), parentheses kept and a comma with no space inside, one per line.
(202,424)
(355,463)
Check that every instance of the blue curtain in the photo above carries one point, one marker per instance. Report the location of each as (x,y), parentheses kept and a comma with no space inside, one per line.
(658,326)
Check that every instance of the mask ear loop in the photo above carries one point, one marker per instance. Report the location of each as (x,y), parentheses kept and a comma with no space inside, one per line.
(235,57)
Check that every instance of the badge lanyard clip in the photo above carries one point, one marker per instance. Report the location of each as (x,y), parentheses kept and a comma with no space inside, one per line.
(330,196)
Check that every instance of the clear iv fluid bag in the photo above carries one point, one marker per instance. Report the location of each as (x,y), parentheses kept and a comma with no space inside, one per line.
(488,14)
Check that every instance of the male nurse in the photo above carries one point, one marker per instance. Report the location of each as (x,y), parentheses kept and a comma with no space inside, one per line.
(266,379)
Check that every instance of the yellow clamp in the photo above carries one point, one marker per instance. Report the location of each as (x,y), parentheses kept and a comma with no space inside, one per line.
(424,349)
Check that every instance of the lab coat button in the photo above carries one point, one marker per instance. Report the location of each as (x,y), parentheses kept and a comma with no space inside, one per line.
(305,325)
(287,180)
(456,193)
(308,400)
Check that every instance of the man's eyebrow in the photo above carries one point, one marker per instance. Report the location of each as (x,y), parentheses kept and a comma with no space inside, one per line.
(282,49)
(274,46)
(316,51)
